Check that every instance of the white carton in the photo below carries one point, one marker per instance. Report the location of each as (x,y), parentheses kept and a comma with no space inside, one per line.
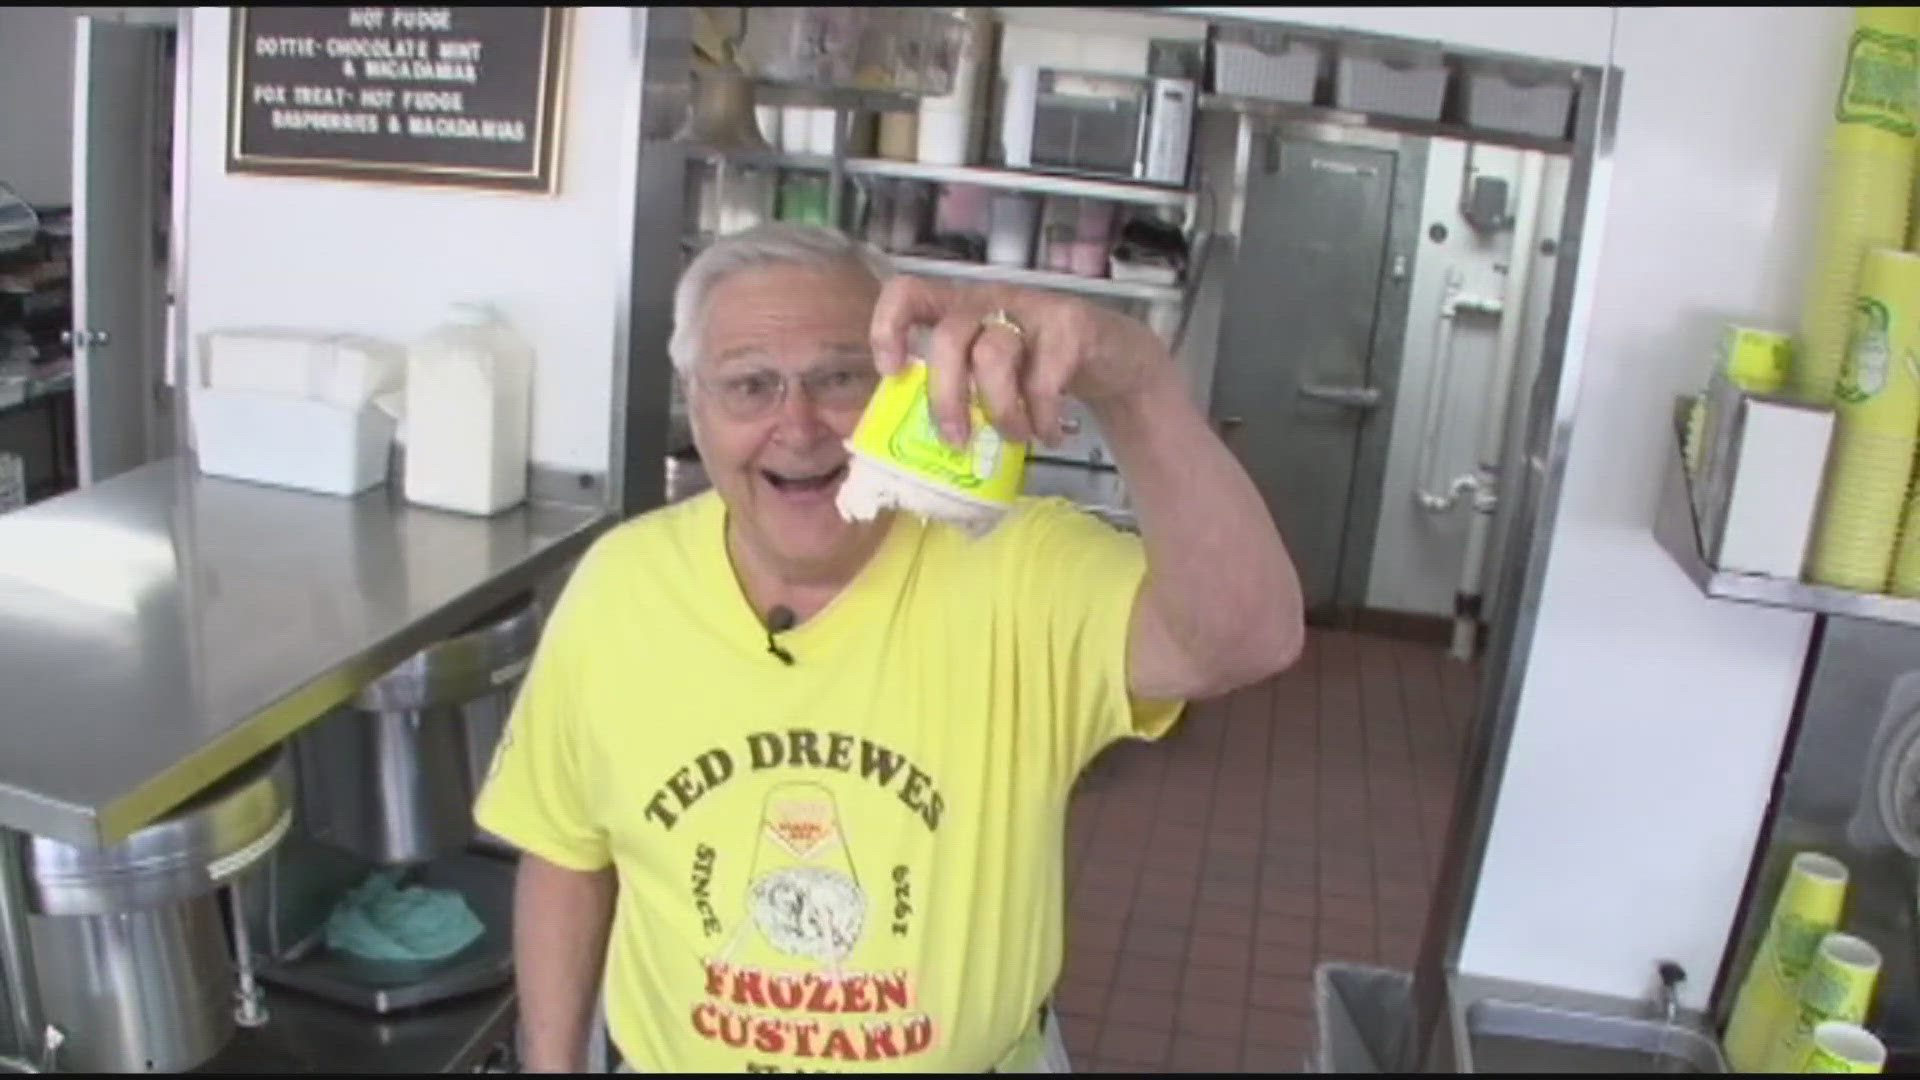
(291,441)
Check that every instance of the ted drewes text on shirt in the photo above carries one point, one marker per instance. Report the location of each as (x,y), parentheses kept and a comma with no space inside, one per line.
(798,749)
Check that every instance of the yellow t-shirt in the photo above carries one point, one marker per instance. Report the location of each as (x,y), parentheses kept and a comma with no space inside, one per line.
(851,863)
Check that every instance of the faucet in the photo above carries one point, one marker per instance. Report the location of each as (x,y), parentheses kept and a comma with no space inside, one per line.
(1671,976)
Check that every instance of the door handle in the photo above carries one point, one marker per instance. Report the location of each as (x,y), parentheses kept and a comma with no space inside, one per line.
(1353,397)
(1226,424)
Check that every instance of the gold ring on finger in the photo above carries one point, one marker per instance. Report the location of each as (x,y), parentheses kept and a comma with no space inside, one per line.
(999,317)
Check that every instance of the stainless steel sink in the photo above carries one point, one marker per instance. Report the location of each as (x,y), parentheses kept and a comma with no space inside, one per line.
(1512,1037)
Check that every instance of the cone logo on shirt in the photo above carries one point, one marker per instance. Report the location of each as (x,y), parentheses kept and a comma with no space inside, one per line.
(805,896)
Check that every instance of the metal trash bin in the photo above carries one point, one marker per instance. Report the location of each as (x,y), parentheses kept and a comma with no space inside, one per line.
(128,940)
(392,776)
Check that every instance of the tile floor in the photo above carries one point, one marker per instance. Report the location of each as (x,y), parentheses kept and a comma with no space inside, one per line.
(1299,820)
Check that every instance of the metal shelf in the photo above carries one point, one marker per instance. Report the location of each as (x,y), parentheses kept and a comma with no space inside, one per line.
(768,92)
(1677,531)
(1021,180)
(1044,279)
(1286,110)
(1010,179)
(26,385)
(765,159)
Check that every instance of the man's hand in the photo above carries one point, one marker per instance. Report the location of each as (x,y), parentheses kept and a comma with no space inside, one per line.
(1220,606)
(1064,345)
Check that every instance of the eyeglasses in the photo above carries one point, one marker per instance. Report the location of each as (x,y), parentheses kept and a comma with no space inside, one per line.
(752,395)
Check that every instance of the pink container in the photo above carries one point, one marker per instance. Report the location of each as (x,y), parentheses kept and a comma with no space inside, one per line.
(1096,220)
(1092,238)
(1089,258)
(964,209)
(1057,223)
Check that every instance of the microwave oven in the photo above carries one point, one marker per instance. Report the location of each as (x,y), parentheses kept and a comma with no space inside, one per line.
(1118,126)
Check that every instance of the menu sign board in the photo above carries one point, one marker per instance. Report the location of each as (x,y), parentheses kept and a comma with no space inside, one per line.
(433,95)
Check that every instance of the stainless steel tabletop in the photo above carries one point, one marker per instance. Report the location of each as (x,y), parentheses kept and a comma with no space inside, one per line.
(160,628)
(303,1034)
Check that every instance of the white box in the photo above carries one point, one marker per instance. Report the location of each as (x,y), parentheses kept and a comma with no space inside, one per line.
(1763,487)
(290,441)
(1407,84)
(1514,102)
(1244,70)
(345,369)
(262,360)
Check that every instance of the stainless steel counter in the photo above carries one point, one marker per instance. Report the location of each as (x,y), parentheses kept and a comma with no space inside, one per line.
(1505,1026)
(1363,1016)
(160,628)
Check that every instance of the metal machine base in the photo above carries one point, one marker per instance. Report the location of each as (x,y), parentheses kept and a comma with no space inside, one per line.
(388,986)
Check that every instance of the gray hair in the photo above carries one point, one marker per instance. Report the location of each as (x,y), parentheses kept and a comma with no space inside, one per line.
(773,243)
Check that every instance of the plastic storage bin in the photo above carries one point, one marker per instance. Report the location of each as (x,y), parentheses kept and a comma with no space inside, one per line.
(1286,72)
(1523,103)
(1392,83)
(291,441)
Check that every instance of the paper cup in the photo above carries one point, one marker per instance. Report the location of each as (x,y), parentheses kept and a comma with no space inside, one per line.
(1868,187)
(899,460)
(1838,985)
(1844,1048)
(1879,385)
(1866,492)
(1758,361)
(1807,910)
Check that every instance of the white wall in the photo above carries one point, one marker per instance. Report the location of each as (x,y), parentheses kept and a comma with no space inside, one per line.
(1651,719)
(387,259)
(36,103)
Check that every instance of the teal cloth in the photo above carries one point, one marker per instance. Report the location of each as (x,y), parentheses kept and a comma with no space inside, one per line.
(379,920)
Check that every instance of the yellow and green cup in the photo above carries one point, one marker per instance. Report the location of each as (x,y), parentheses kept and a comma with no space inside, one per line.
(901,461)
(1867,192)
(1877,421)
(1758,361)
(1806,911)
(1838,985)
(1840,1047)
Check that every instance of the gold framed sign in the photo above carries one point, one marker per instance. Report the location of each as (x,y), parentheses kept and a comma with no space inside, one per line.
(461,96)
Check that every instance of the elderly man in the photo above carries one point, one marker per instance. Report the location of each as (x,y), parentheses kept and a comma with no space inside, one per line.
(800,784)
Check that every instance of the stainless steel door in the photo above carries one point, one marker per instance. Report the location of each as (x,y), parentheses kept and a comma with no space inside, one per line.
(1294,384)
(121,82)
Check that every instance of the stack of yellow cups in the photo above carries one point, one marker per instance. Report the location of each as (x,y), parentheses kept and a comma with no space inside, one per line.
(1876,427)
(1869,185)
(1906,555)
(1838,985)
(1807,910)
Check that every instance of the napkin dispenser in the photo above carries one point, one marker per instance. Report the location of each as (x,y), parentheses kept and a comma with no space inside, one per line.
(1762,467)
(295,409)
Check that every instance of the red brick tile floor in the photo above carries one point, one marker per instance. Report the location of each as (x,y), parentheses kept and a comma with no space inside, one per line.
(1298,820)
